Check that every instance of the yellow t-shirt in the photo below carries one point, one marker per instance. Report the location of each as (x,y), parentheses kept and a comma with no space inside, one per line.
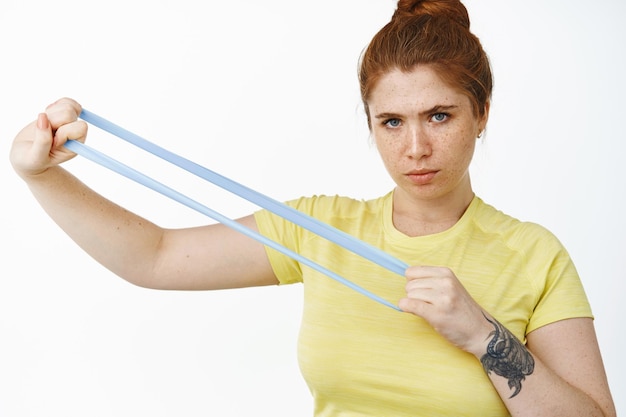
(361,358)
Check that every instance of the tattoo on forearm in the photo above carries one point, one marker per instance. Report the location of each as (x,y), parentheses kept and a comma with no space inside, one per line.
(507,357)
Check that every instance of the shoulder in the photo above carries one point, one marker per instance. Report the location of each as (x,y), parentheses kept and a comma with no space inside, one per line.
(539,266)
(516,234)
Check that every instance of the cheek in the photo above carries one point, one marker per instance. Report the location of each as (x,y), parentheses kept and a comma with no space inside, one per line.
(466,154)
(459,153)
(388,151)
(392,146)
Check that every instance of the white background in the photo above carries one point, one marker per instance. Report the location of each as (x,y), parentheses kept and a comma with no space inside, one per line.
(266,93)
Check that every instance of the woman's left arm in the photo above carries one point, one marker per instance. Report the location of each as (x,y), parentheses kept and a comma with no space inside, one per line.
(567,379)
(559,372)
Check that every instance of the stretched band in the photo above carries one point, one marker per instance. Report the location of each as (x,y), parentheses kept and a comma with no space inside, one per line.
(334,235)
(337,236)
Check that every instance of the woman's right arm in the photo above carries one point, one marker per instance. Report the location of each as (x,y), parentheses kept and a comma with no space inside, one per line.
(199,258)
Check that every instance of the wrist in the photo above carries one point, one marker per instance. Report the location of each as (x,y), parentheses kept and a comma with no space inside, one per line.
(506,356)
(35,177)
(483,334)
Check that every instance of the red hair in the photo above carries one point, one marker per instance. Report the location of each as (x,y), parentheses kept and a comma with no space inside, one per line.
(432,32)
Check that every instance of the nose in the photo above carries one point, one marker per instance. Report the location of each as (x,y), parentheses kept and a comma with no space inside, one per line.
(419,144)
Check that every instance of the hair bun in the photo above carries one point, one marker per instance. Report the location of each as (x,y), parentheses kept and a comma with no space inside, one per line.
(451,9)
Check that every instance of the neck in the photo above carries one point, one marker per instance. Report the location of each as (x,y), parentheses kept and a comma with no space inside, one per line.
(415,217)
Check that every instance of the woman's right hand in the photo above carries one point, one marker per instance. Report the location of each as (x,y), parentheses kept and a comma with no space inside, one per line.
(39,145)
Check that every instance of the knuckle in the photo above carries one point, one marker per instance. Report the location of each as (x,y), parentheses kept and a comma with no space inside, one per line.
(61,113)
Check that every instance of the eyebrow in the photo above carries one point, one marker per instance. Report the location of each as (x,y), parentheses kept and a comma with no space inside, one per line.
(435,109)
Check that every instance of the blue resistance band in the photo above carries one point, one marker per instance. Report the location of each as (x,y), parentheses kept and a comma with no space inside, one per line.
(289,213)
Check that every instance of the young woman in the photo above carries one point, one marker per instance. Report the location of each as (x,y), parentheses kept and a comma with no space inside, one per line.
(496,320)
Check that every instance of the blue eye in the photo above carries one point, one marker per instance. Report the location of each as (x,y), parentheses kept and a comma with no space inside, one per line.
(439,117)
(392,123)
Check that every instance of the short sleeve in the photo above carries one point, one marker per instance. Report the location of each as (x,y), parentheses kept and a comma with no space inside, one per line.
(561,293)
(285,233)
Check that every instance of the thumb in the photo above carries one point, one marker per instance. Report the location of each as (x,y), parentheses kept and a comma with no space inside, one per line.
(43,139)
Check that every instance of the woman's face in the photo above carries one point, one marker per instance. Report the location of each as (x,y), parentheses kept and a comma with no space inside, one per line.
(425,132)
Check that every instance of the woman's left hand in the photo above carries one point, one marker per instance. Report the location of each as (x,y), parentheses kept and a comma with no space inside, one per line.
(437,295)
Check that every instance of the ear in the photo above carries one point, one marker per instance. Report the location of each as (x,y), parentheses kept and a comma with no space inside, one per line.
(485,117)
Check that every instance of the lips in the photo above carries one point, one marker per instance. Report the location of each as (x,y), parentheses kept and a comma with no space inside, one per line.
(422,176)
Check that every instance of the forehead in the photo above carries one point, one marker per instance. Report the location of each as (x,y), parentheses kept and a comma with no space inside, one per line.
(418,89)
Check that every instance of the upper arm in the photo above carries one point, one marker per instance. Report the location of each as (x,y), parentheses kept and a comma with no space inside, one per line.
(211,257)
(570,349)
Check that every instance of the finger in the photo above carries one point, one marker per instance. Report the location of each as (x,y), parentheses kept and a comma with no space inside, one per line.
(423,272)
(62,112)
(76,130)
(42,142)
(64,102)
(415,306)
(424,293)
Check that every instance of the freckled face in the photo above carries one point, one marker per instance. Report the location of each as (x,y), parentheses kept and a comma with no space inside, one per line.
(425,132)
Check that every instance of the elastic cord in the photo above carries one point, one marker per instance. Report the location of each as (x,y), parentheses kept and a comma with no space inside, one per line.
(130,173)
(337,236)
(332,234)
